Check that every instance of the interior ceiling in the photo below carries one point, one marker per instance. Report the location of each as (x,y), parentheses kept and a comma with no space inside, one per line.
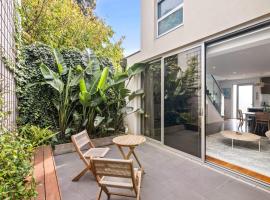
(243,61)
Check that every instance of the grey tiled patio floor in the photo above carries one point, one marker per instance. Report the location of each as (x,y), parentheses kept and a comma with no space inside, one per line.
(168,177)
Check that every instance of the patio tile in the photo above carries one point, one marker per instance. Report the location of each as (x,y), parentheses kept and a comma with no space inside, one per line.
(237,190)
(168,177)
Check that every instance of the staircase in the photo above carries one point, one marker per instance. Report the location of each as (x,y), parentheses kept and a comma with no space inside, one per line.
(215,94)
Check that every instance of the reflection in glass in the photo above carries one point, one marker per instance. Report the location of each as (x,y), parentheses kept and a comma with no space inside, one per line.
(182,102)
(151,121)
(170,22)
(166,6)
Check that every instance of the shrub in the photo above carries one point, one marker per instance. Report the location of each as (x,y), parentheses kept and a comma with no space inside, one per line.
(16,166)
(35,135)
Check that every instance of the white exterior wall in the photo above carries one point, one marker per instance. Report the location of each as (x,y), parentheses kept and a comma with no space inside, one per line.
(202,20)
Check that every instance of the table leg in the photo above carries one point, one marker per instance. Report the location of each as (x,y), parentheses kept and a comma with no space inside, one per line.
(127,156)
(122,152)
(134,154)
(232,143)
(259,145)
(131,149)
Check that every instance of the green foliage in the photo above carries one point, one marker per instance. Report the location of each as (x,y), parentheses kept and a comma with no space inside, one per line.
(16,166)
(35,135)
(66,97)
(3,112)
(105,101)
(58,90)
(65,24)
(35,104)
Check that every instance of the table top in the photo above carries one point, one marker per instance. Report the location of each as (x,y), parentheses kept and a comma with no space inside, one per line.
(129,140)
(249,113)
(240,136)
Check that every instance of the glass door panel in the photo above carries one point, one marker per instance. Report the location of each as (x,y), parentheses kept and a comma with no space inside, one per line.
(245,97)
(151,121)
(182,99)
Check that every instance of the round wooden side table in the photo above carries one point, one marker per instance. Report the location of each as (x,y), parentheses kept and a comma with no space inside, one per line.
(129,141)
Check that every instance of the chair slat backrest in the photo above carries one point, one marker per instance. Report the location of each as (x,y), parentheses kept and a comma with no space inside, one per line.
(262,116)
(112,167)
(80,140)
(240,115)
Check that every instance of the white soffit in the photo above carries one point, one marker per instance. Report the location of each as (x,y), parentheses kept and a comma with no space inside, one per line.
(252,39)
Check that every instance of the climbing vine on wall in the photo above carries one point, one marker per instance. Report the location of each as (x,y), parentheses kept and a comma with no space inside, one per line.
(35,102)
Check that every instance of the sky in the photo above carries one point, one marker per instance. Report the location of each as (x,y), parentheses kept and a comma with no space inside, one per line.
(124,18)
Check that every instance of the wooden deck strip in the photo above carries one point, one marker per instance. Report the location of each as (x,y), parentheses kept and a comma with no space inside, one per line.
(239,169)
(39,173)
(51,183)
(45,174)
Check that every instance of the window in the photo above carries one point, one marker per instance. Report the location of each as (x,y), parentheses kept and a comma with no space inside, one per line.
(169,14)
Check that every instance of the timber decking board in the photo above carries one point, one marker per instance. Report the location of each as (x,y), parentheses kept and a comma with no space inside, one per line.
(45,174)
(39,173)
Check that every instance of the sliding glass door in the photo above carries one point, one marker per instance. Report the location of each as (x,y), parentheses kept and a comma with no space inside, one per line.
(182,97)
(177,94)
(151,122)
(239,64)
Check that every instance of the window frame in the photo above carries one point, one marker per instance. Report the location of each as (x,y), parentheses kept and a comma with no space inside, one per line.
(166,15)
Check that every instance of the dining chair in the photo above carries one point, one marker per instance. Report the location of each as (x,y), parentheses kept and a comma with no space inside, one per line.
(81,141)
(113,175)
(262,119)
(242,119)
(267,134)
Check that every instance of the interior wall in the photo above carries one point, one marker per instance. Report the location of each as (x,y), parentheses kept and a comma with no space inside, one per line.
(212,115)
(257,96)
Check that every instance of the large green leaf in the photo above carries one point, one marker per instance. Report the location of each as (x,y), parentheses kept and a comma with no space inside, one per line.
(51,78)
(75,80)
(85,98)
(136,93)
(103,79)
(98,120)
(47,73)
(61,65)
(82,85)
(121,78)
(136,69)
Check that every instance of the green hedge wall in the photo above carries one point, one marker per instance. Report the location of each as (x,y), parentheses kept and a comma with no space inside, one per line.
(35,101)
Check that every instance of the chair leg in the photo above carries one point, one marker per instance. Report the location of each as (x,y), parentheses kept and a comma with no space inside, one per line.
(255,129)
(80,174)
(99,194)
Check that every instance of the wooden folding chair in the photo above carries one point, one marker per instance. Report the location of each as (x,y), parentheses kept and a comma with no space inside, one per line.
(117,173)
(80,141)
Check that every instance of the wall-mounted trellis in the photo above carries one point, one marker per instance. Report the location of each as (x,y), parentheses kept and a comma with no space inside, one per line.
(7,58)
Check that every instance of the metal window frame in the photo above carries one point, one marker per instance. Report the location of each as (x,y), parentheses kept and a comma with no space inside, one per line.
(165,16)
